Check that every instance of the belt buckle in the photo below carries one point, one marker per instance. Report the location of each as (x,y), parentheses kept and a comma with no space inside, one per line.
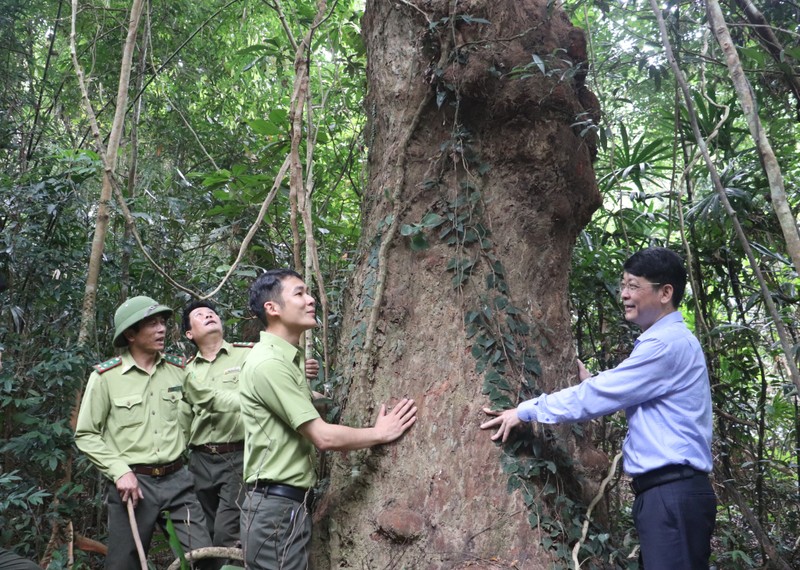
(158,471)
(213,449)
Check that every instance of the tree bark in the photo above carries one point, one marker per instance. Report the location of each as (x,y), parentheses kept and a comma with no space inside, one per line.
(109,155)
(461,151)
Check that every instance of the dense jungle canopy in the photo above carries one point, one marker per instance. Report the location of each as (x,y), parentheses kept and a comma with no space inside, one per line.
(177,148)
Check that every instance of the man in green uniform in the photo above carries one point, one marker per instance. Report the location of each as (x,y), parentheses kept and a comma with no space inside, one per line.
(217,436)
(282,427)
(217,433)
(129,426)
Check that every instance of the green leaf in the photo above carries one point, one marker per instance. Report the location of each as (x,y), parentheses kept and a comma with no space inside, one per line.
(539,63)
(418,242)
(493,377)
(432,220)
(532,365)
(458,280)
(441,96)
(278,116)
(262,127)
(174,541)
(470,20)
(408,229)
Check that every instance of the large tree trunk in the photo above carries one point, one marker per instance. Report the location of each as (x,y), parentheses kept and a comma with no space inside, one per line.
(501,160)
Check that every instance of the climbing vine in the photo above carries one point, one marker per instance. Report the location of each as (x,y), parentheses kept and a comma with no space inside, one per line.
(505,344)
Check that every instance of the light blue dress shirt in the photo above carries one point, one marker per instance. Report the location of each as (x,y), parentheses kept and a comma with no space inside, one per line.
(664,389)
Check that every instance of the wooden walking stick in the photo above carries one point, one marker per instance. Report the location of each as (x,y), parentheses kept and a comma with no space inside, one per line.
(136,538)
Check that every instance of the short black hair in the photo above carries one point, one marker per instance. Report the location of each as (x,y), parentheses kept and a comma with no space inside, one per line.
(268,287)
(659,265)
(187,311)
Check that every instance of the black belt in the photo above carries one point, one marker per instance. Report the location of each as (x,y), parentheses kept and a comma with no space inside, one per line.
(663,475)
(158,470)
(286,491)
(219,448)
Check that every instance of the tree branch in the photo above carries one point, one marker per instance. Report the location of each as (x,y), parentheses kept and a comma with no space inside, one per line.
(714,174)
(769,163)
(786,344)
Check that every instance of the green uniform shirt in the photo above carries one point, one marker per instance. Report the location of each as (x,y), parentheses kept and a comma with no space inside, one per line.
(129,417)
(213,389)
(276,400)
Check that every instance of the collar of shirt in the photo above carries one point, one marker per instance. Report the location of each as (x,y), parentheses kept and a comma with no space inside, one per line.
(286,349)
(657,328)
(225,347)
(129,363)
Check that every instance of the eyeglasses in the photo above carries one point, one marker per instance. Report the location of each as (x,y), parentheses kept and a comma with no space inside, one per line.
(634,288)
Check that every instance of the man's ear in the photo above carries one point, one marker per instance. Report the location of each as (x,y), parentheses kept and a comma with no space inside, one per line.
(271,309)
(667,290)
(188,334)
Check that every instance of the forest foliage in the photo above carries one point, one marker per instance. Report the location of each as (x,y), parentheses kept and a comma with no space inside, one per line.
(208,126)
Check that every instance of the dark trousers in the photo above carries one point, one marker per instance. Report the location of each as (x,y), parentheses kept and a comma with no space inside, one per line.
(165,498)
(276,533)
(220,489)
(11,561)
(675,522)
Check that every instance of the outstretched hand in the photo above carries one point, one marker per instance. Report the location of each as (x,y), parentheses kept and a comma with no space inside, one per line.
(394,423)
(583,374)
(505,421)
(312,368)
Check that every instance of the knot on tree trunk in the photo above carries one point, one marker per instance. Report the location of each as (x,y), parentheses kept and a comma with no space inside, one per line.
(399,524)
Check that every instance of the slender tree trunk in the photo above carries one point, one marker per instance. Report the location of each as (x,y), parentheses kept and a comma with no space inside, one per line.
(109,160)
(109,155)
(478,186)
(742,238)
(776,561)
(133,165)
(786,344)
(769,163)
(769,40)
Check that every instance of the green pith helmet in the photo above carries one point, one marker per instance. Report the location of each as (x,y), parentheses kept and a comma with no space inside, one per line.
(131,312)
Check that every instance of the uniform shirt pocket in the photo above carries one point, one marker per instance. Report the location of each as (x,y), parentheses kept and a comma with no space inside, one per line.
(129,410)
(170,400)
(231,376)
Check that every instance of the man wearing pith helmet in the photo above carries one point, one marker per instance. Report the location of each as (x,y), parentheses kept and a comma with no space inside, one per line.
(129,425)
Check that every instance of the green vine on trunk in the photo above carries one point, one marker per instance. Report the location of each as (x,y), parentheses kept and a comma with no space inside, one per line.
(504,346)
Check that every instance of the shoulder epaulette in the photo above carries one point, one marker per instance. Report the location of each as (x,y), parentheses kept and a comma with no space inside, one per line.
(175,360)
(108,364)
(244,344)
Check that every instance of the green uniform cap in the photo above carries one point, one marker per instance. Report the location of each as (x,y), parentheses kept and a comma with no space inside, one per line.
(131,312)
